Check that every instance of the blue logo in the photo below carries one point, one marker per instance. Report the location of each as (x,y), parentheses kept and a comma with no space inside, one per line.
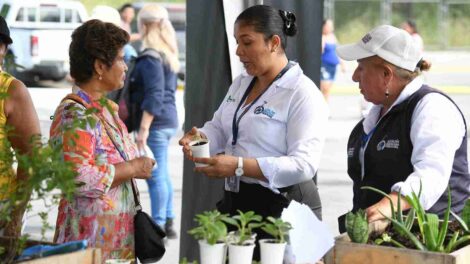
(265,111)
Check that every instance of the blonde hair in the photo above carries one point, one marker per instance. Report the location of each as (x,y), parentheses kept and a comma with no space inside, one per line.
(158,33)
(406,75)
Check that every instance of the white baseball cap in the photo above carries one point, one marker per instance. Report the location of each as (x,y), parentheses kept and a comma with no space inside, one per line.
(106,14)
(389,43)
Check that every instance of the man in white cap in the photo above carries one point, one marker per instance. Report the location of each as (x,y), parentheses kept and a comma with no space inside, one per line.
(414,137)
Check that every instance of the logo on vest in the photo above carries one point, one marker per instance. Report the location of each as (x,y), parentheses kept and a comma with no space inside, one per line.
(391,144)
(350,152)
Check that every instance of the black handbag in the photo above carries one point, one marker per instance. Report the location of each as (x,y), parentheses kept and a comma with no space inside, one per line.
(148,236)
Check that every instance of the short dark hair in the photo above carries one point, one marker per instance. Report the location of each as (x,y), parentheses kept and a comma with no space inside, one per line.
(94,40)
(412,25)
(269,21)
(124,6)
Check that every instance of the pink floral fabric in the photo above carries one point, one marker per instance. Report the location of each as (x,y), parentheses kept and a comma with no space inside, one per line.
(98,213)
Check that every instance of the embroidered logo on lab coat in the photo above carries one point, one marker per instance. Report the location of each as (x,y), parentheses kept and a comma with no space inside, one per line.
(230,99)
(261,109)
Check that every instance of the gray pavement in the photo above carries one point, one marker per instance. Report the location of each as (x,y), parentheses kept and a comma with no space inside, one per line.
(334,184)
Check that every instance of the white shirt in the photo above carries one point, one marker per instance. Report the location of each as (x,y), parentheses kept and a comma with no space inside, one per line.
(286,138)
(437,130)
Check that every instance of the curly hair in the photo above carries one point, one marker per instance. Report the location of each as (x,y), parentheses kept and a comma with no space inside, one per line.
(94,40)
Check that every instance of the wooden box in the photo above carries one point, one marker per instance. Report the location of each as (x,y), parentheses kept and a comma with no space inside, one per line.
(346,252)
(87,256)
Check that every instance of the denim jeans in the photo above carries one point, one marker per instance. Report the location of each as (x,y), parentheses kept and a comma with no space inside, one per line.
(160,186)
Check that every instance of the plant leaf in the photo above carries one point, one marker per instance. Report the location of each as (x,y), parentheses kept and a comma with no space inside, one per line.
(461,222)
(410,235)
(445,224)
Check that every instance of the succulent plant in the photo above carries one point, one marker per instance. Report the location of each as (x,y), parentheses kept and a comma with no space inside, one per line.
(357,226)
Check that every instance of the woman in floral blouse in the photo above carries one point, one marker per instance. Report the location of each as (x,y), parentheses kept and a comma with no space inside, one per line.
(105,159)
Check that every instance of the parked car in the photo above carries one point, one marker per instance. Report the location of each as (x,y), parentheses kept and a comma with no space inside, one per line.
(177,14)
(41,31)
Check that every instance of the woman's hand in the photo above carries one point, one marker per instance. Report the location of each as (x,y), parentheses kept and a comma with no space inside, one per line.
(142,167)
(220,166)
(187,138)
(141,139)
(378,210)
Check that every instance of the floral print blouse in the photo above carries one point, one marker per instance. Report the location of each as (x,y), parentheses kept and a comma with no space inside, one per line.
(98,213)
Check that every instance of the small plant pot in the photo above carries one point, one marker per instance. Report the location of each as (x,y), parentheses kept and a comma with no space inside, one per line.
(233,238)
(240,254)
(200,149)
(212,254)
(271,251)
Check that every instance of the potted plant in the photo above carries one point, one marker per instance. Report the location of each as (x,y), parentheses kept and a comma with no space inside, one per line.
(46,172)
(211,234)
(416,237)
(241,243)
(272,250)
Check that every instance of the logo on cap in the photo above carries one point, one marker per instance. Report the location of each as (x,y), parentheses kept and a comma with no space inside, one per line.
(366,38)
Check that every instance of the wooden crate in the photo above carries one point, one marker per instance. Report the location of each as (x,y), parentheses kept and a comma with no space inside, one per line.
(87,256)
(346,252)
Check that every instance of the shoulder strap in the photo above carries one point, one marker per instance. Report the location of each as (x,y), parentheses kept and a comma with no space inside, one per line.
(151,53)
(76,99)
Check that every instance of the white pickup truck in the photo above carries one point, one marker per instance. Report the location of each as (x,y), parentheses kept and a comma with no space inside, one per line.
(41,31)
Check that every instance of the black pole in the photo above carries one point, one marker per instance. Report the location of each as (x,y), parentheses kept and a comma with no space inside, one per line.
(208,79)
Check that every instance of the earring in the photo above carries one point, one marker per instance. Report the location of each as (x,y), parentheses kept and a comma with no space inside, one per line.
(386,93)
(100,78)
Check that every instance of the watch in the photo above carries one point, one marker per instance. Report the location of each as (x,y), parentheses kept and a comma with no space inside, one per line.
(239,170)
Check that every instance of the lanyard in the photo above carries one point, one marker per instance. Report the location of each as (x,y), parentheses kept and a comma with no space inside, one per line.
(236,121)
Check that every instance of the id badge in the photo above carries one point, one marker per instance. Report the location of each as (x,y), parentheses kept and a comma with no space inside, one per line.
(232,184)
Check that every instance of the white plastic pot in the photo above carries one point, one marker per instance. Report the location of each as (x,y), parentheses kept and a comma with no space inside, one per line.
(240,254)
(212,254)
(271,252)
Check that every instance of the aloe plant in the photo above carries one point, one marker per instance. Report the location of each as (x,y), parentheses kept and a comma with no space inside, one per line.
(357,226)
(433,232)
(245,223)
(277,228)
(464,221)
(211,227)
(407,220)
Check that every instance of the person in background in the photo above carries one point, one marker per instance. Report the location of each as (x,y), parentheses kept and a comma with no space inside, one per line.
(413,136)
(127,13)
(19,127)
(329,59)
(271,126)
(410,27)
(103,153)
(153,84)
(111,15)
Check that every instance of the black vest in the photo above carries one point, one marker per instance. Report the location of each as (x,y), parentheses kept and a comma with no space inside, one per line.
(388,158)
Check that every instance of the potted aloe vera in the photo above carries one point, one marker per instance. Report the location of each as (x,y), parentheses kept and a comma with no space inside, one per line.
(211,234)
(272,250)
(414,237)
(241,243)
